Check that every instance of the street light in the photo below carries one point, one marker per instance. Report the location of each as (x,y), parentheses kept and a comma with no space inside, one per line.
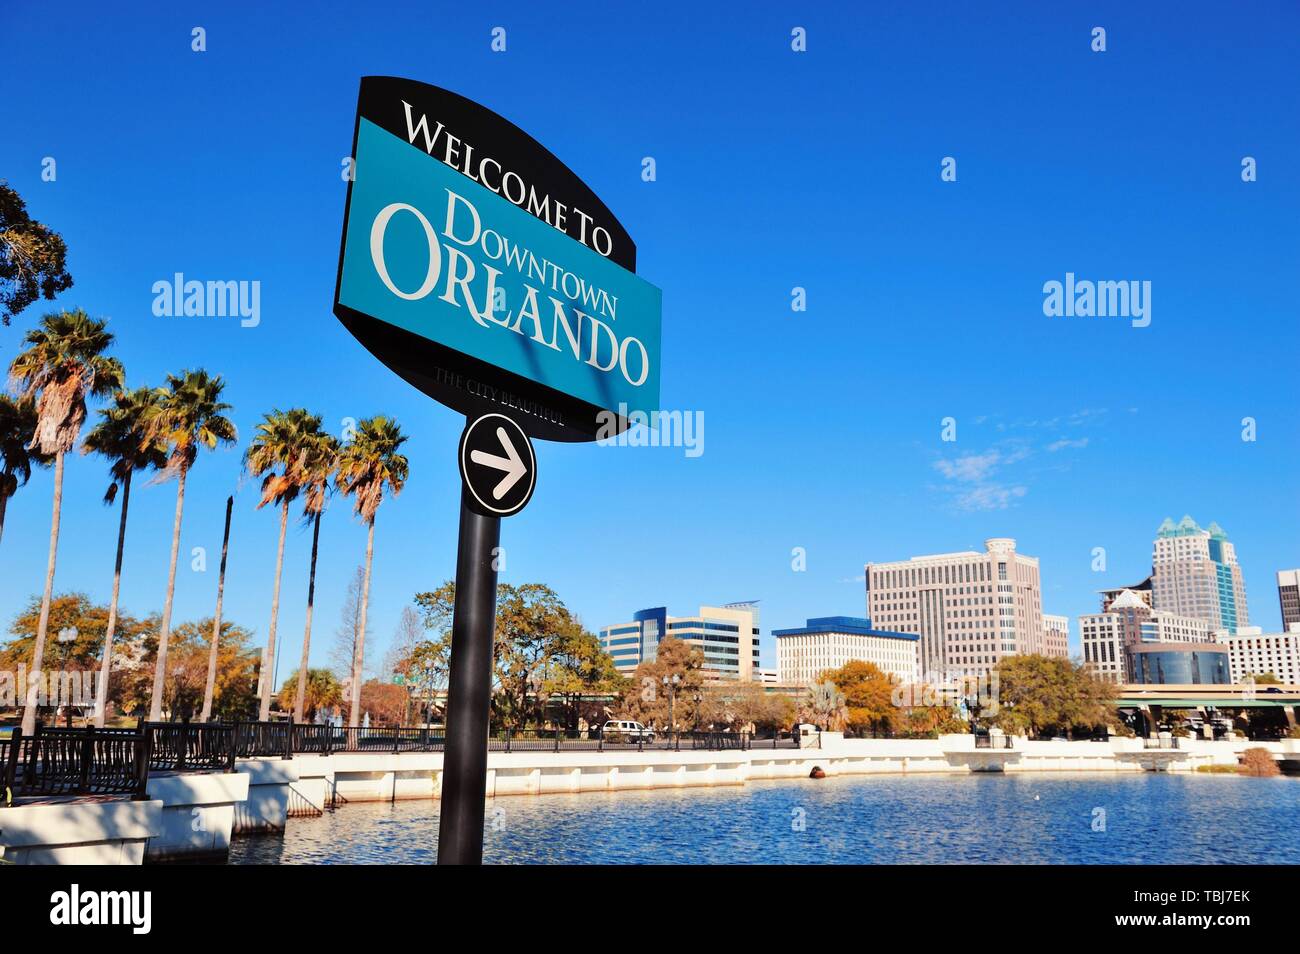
(671,683)
(67,637)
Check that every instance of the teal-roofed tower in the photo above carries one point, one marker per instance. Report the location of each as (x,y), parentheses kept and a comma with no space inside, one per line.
(1195,573)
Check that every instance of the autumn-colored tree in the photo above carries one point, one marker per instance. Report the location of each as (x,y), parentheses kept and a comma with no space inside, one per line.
(384,702)
(235,693)
(646,698)
(868,696)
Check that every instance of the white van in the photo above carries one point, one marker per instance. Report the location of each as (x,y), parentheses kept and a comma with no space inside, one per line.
(626,731)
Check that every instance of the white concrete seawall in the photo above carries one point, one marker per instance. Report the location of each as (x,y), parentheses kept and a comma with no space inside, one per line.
(192,815)
(370,776)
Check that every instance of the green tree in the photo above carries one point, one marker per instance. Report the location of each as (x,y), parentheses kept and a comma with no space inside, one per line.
(319,458)
(188,414)
(1038,694)
(532,624)
(369,466)
(120,437)
(17,457)
(63,364)
(276,454)
(319,689)
(579,670)
(32,257)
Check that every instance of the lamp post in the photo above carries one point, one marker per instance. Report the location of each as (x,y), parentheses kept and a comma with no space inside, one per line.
(67,637)
(671,683)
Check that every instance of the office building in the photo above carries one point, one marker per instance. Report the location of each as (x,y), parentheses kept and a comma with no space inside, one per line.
(1179,664)
(726,635)
(1253,653)
(829,642)
(1195,573)
(1056,635)
(1142,590)
(969,609)
(1288,594)
(1129,621)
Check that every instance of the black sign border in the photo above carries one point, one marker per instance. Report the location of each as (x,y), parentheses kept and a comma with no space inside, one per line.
(454,378)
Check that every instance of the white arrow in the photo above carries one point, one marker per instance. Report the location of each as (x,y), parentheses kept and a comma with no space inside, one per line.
(512,464)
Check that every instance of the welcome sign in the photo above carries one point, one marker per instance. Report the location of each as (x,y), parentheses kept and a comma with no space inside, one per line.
(483,271)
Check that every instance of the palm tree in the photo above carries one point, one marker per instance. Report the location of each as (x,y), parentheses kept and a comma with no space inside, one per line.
(368,463)
(276,454)
(189,414)
(64,364)
(17,425)
(318,463)
(120,437)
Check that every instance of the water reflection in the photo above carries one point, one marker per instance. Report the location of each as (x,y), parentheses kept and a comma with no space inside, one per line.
(1132,819)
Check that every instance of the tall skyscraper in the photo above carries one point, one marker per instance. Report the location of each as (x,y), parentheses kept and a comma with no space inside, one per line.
(1195,573)
(969,609)
(1288,594)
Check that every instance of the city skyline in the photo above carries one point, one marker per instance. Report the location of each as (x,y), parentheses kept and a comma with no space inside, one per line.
(1036,461)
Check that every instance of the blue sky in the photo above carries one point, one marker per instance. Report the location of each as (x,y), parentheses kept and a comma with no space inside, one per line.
(775,170)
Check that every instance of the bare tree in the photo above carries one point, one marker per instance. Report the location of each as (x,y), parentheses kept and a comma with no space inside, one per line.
(344,649)
(410,632)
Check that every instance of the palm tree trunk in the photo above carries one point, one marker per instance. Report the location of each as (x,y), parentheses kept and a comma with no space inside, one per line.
(306,635)
(209,687)
(101,692)
(359,655)
(268,664)
(4,505)
(160,668)
(38,651)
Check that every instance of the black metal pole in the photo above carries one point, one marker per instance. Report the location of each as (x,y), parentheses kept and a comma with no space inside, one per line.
(469,691)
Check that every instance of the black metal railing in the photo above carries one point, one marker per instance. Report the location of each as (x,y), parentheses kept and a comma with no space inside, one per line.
(1158,743)
(187,747)
(994,742)
(90,761)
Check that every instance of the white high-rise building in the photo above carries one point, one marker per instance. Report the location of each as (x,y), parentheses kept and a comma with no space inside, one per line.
(968,609)
(1253,653)
(829,642)
(1195,573)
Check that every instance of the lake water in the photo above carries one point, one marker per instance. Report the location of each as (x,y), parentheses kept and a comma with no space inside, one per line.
(1152,818)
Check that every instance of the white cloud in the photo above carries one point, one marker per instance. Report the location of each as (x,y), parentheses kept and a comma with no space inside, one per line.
(1065,442)
(990,497)
(969,466)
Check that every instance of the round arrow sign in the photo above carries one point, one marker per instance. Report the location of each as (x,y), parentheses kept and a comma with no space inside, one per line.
(497,465)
